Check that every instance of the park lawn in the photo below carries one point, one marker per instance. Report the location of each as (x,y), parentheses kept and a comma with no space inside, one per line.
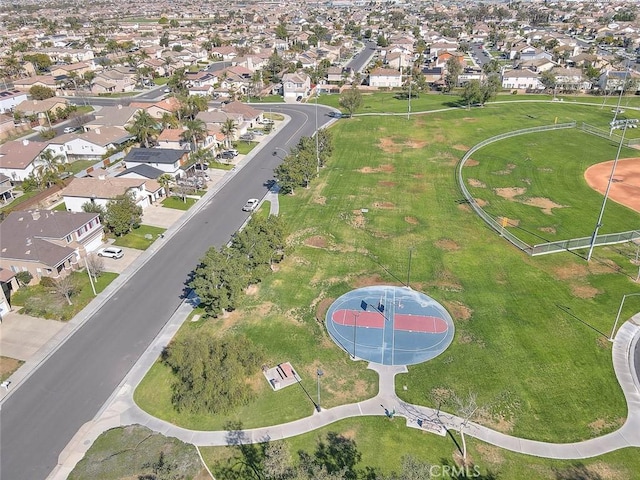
(382,444)
(139,238)
(542,167)
(282,341)
(179,203)
(43,302)
(127,452)
(534,367)
(504,303)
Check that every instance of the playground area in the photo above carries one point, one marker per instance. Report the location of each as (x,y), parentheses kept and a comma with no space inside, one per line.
(389,325)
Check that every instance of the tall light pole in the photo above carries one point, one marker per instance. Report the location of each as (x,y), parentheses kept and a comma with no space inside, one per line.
(319,373)
(317,146)
(613,330)
(614,124)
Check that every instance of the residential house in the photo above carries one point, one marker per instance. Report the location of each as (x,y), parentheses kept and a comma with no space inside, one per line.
(41,109)
(9,99)
(168,105)
(39,80)
(224,52)
(100,190)
(444,57)
(295,85)
(93,144)
(571,80)
(78,69)
(385,77)
(8,284)
(48,243)
(215,119)
(115,80)
(615,80)
(172,138)
(118,116)
(398,60)
(438,48)
(19,158)
(537,65)
(249,114)
(6,189)
(521,80)
(166,159)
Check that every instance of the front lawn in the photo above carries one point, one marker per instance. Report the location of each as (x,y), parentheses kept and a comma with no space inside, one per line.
(179,203)
(140,238)
(8,366)
(245,147)
(43,302)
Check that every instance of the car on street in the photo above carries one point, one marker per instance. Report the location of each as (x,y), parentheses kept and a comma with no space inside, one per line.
(333,114)
(251,205)
(111,252)
(70,129)
(167,90)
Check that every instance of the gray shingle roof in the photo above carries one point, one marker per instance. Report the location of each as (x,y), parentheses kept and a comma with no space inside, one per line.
(154,155)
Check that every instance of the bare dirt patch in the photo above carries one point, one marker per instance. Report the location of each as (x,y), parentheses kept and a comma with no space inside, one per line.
(490,454)
(466,208)
(458,310)
(510,222)
(470,119)
(584,291)
(542,203)
(367,281)
(317,241)
(496,422)
(447,245)
(461,147)
(416,143)
(387,145)
(565,272)
(357,221)
(411,220)
(251,290)
(384,205)
(480,202)
(474,182)
(601,425)
(550,230)
(323,306)
(387,184)
(418,175)
(471,163)
(510,193)
(320,200)
(603,342)
(386,168)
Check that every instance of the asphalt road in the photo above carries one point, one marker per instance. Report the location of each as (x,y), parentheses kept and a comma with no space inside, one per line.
(361,59)
(41,416)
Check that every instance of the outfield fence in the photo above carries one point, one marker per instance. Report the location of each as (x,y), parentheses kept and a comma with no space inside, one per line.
(609,135)
(499,227)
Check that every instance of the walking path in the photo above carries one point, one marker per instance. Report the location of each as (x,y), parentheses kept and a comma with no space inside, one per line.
(121,410)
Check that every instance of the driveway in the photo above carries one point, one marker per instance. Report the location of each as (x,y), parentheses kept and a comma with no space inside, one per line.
(23,335)
(118,265)
(158,216)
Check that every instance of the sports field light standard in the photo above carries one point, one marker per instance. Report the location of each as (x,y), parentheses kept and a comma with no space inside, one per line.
(613,330)
(623,124)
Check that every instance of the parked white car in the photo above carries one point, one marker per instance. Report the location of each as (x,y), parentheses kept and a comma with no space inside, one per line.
(111,252)
(251,205)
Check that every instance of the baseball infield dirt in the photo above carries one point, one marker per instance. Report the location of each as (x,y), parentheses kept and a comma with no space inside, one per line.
(625,188)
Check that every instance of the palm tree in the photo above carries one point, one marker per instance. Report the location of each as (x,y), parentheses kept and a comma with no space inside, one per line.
(228,129)
(48,166)
(196,132)
(165,180)
(169,120)
(144,127)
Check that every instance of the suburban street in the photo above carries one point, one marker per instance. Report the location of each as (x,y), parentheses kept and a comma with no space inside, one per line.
(42,414)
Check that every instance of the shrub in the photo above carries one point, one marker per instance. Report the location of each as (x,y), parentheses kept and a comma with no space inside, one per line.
(47,282)
(24,277)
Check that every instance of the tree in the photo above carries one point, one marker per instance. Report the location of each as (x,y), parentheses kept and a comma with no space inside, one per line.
(144,128)
(165,180)
(277,461)
(65,287)
(41,61)
(454,69)
(290,174)
(218,280)
(351,99)
(281,31)
(210,372)
(47,169)
(548,79)
(95,266)
(24,277)
(228,128)
(412,469)
(196,131)
(472,93)
(93,207)
(466,408)
(122,214)
(40,92)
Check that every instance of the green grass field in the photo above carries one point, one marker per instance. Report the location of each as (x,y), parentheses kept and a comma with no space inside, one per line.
(139,238)
(539,372)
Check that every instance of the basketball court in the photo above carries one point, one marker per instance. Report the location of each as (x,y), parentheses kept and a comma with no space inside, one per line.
(389,325)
